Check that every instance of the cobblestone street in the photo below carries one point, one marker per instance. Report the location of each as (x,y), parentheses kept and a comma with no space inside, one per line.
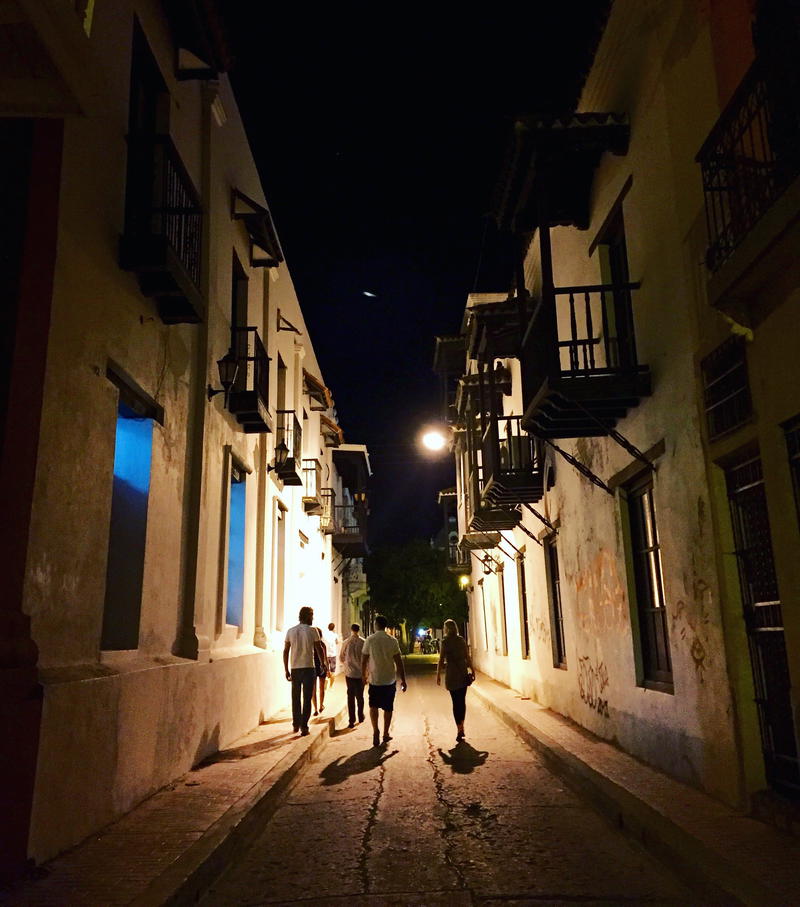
(422,820)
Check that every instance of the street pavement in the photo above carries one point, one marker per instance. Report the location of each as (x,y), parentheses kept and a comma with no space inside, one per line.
(423,820)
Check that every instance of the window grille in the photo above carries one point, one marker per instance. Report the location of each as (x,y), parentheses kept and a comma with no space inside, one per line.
(522,589)
(792,429)
(556,612)
(726,388)
(764,622)
(649,585)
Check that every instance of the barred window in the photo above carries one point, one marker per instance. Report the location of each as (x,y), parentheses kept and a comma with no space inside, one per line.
(726,388)
(792,429)
(554,594)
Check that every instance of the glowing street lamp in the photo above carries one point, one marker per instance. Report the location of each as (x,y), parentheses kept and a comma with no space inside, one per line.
(434,441)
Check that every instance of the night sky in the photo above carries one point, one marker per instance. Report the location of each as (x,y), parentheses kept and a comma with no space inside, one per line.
(379,134)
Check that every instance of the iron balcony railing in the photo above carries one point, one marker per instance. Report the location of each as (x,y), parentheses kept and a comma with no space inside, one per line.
(312,479)
(749,158)
(253,361)
(289,432)
(162,201)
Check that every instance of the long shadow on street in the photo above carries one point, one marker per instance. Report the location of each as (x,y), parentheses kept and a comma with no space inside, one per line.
(364,761)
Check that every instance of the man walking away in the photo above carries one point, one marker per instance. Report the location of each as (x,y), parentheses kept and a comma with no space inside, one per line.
(380,661)
(350,657)
(332,643)
(301,640)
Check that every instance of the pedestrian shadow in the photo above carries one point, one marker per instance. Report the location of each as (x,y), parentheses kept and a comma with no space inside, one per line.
(463,758)
(340,770)
(235,753)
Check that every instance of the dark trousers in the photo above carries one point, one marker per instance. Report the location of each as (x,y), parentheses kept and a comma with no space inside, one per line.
(302,679)
(459,698)
(355,697)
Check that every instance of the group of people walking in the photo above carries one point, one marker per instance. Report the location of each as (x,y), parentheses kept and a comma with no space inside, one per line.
(376,661)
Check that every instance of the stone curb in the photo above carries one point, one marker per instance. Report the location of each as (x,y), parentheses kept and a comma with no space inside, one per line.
(720,880)
(184,881)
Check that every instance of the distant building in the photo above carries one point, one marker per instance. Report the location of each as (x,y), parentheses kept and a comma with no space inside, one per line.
(159,534)
(627,416)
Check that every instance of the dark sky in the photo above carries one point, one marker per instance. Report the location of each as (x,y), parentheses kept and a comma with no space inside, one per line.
(379,134)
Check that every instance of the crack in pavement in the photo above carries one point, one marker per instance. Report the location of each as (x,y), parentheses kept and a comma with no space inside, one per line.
(366,838)
(450,825)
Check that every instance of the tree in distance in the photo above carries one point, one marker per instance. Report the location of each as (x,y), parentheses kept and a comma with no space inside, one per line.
(412,587)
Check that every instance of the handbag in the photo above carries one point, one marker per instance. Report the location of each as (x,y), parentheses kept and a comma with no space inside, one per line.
(470,678)
(320,670)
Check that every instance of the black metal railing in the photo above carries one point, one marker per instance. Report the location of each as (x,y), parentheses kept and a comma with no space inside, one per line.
(253,362)
(289,432)
(749,158)
(162,200)
(595,329)
(312,478)
(349,519)
(327,521)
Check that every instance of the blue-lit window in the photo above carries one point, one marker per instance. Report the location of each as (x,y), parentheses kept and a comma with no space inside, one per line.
(128,530)
(234,606)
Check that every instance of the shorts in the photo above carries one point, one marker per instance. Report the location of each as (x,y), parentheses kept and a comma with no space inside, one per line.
(332,664)
(382,697)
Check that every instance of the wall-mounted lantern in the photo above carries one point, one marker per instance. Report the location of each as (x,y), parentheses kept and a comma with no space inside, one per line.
(228,368)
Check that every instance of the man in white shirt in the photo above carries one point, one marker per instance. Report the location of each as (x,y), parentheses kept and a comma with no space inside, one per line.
(350,657)
(380,662)
(301,640)
(332,642)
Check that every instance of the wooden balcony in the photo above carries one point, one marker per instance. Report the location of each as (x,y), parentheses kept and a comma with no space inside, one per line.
(327,514)
(457,559)
(580,373)
(350,531)
(289,432)
(312,487)
(512,463)
(483,516)
(162,241)
(250,392)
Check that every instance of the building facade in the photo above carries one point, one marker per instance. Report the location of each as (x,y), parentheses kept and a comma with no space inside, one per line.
(175,482)
(625,416)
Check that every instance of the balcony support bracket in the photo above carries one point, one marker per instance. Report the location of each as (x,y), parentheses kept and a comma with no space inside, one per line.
(583,470)
(617,436)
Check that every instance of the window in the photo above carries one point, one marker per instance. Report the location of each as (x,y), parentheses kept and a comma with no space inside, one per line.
(501,638)
(128,527)
(278,563)
(522,589)
(763,620)
(234,599)
(792,429)
(726,389)
(612,249)
(483,612)
(554,594)
(656,662)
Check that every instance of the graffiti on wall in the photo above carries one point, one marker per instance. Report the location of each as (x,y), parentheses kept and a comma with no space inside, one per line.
(592,683)
(541,631)
(690,628)
(600,594)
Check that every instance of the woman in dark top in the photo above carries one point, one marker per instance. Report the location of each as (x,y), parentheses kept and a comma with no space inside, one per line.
(458,672)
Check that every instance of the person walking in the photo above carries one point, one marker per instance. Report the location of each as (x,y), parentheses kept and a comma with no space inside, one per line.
(332,644)
(455,658)
(380,663)
(321,670)
(350,657)
(301,640)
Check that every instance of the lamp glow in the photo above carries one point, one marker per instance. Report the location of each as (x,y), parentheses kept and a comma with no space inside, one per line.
(433,440)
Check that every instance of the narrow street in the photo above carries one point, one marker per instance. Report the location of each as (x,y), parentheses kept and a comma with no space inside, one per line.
(422,820)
